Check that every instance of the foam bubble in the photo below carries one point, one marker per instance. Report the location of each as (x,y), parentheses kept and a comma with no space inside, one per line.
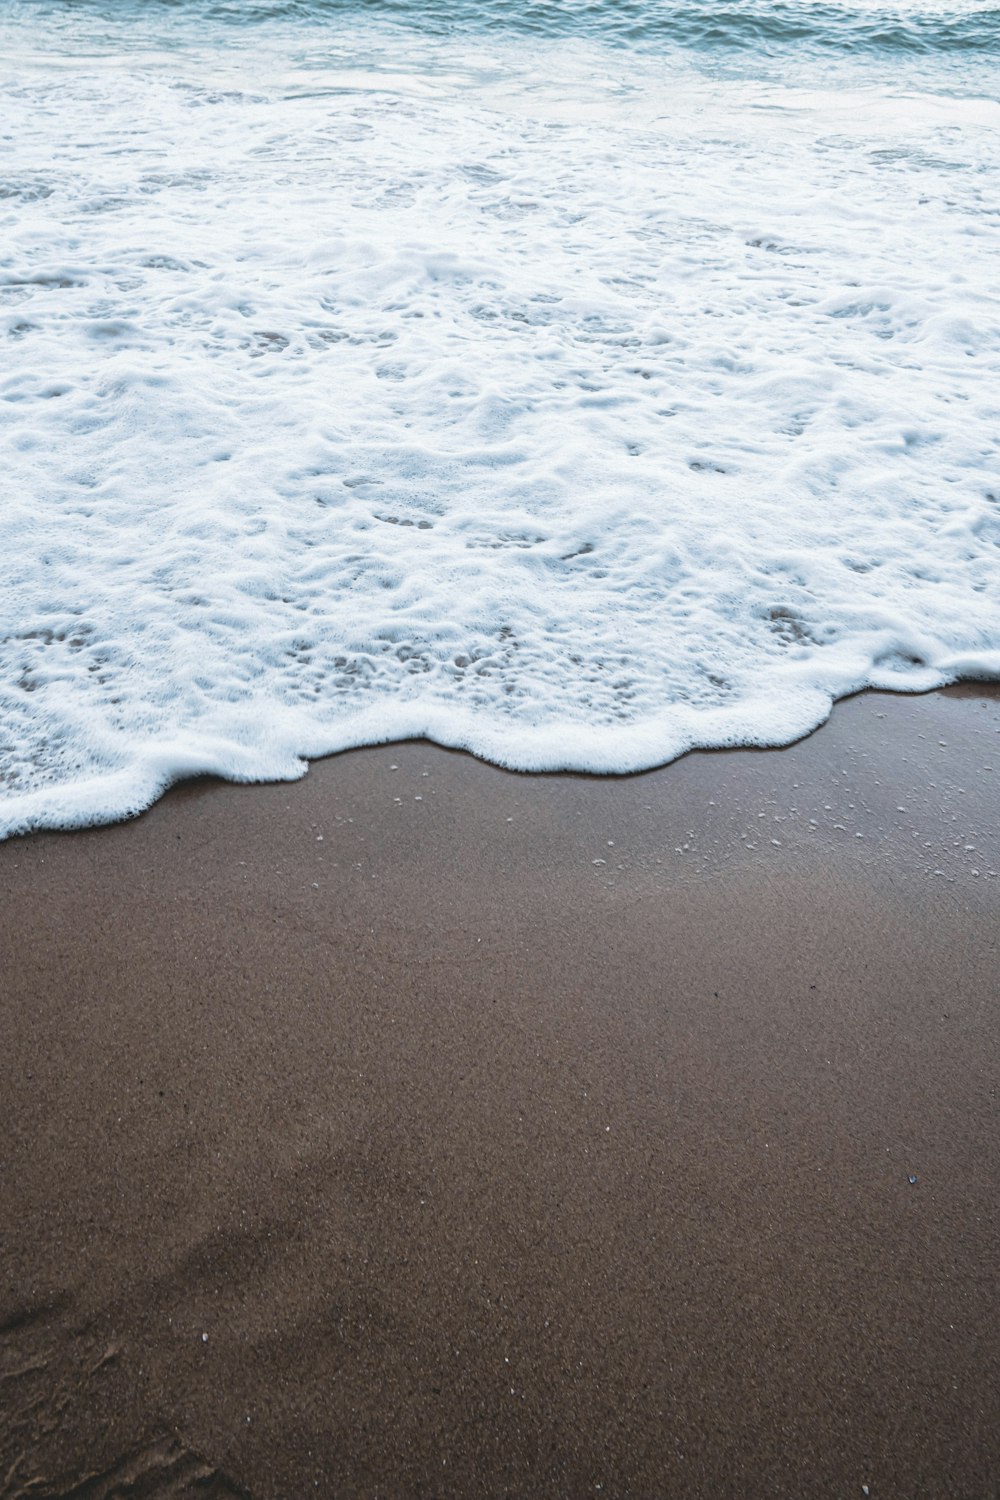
(355,389)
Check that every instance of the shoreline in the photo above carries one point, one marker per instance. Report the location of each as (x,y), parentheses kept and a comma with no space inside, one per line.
(423,1127)
(116,808)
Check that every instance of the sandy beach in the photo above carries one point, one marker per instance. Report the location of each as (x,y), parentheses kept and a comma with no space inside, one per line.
(424,1129)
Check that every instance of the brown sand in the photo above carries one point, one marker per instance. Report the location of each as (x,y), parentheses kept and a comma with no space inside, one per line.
(368,1137)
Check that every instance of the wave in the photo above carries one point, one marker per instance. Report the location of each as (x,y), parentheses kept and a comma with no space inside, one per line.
(754,26)
(578,417)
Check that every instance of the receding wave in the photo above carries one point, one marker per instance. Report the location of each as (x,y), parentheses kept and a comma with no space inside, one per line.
(576,404)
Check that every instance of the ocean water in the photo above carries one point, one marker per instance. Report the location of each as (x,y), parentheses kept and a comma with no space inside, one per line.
(576,382)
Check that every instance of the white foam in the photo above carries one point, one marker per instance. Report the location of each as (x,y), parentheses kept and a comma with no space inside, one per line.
(353,390)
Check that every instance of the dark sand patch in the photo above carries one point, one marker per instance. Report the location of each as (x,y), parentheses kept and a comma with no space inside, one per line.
(361,1147)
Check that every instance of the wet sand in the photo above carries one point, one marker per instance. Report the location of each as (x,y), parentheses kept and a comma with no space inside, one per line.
(422,1129)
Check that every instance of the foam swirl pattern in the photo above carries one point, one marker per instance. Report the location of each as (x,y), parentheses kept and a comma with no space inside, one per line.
(574,404)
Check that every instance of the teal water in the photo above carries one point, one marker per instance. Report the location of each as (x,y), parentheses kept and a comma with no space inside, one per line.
(758,25)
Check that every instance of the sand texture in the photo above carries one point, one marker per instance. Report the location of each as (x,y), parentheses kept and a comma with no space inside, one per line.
(423,1129)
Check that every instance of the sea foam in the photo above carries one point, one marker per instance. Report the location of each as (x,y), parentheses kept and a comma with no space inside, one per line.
(566,404)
